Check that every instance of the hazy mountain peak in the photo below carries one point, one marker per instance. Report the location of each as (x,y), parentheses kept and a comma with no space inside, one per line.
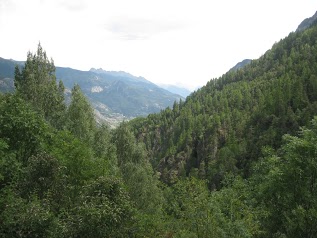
(184,92)
(121,74)
(100,70)
(307,23)
(241,64)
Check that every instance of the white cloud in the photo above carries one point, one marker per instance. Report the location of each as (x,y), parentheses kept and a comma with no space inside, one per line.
(72,5)
(131,28)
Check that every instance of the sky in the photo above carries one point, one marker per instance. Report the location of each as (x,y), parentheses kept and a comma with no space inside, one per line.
(180,42)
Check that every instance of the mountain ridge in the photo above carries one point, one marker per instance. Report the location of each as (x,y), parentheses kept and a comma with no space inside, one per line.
(120,95)
(120,74)
(240,64)
(184,92)
(307,23)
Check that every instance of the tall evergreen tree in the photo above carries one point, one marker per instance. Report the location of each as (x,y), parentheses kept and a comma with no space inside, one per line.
(36,83)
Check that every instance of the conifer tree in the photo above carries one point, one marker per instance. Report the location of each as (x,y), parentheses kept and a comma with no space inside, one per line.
(36,83)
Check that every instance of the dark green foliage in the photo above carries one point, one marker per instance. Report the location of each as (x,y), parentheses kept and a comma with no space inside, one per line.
(105,150)
(39,176)
(286,186)
(103,210)
(26,217)
(141,181)
(74,155)
(103,146)
(22,128)
(199,213)
(187,202)
(57,183)
(136,171)
(9,166)
(56,188)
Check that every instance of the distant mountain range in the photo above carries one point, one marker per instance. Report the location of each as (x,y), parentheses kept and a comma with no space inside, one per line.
(184,92)
(115,96)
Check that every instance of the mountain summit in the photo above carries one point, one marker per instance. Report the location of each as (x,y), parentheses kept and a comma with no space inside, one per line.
(120,74)
(241,64)
(307,22)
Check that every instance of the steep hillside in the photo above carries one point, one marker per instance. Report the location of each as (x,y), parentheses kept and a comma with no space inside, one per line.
(224,126)
(114,95)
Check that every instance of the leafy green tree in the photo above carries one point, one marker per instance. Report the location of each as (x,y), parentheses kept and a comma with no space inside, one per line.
(39,176)
(136,171)
(287,186)
(80,116)
(24,131)
(103,146)
(26,217)
(76,158)
(187,203)
(10,167)
(234,211)
(105,151)
(141,181)
(103,210)
(125,143)
(58,112)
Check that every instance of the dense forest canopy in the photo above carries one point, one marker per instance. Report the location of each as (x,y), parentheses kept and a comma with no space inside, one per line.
(237,158)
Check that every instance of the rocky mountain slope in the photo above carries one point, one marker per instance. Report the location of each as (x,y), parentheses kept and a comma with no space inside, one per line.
(307,22)
(115,96)
(241,64)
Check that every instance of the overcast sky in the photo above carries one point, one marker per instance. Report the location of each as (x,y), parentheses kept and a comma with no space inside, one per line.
(182,42)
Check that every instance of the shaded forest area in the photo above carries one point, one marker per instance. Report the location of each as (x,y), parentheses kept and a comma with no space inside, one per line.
(237,158)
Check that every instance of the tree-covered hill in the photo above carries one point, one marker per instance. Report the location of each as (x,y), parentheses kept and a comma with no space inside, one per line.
(223,126)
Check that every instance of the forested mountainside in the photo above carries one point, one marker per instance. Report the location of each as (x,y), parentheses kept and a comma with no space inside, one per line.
(224,126)
(114,95)
(237,158)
